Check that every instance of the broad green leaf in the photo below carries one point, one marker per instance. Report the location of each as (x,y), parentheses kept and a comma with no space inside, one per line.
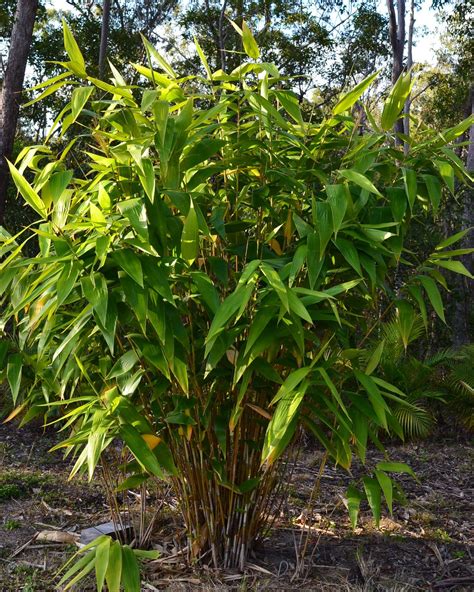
(360,180)
(27,192)
(102,561)
(332,387)
(190,236)
(73,51)
(80,96)
(140,450)
(250,45)
(130,570)
(379,405)
(351,97)
(226,311)
(411,187)
(395,101)
(387,487)
(350,254)
(337,199)
(67,280)
(453,239)
(373,493)
(433,186)
(354,497)
(113,575)
(130,263)
(147,178)
(323,225)
(434,295)
(14,371)
(282,425)
(87,564)
(275,283)
(202,57)
(395,467)
(290,384)
(95,290)
(124,364)
(405,321)
(158,57)
(455,266)
(375,358)
(447,173)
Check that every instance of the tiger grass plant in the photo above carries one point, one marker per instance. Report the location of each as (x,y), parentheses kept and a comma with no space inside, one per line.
(210,267)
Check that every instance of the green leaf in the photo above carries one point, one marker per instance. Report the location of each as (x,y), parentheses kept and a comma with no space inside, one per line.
(190,236)
(447,173)
(453,239)
(124,364)
(348,99)
(102,561)
(130,570)
(202,57)
(140,450)
(455,266)
(433,294)
(73,51)
(387,487)
(433,186)
(291,382)
(395,101)
(337,199)
(411,187)
(276,283)
(67,280)
(374,497)
(158,57)
(130,263)
(27,192)
(405,321)
(113,575)
(250,45)
(281,428)
(360,180)
(354,497)
(378,403)
(395,467)
(14,368)
(375,358)
(79,98)
(350,254)
(147,178)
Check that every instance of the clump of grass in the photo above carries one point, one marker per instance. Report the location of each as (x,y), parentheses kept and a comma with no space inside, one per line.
(18,484)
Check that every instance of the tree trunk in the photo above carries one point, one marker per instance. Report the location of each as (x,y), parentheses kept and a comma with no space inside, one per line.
(22,34)
(407,108)
(397,41)
(104,36)
(463,321)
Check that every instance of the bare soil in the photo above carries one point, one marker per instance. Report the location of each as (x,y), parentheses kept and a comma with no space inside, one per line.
(426,545)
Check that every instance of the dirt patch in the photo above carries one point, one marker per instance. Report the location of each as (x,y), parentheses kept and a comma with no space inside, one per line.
(425,545)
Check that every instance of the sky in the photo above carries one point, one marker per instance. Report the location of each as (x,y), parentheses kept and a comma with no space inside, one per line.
(427,35)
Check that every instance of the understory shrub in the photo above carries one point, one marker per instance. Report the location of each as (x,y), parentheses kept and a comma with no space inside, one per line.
(210,275)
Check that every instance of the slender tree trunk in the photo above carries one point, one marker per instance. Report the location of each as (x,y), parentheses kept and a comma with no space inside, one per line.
(104,36)
(463,312)
(22,34)
(407,108)
(397,41)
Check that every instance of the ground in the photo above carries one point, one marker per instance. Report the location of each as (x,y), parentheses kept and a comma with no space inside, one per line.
(425,545)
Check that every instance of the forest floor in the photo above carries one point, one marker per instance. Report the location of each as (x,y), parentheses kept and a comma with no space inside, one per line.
(426,545)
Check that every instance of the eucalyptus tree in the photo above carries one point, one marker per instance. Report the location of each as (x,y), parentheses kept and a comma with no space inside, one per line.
(12,85)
